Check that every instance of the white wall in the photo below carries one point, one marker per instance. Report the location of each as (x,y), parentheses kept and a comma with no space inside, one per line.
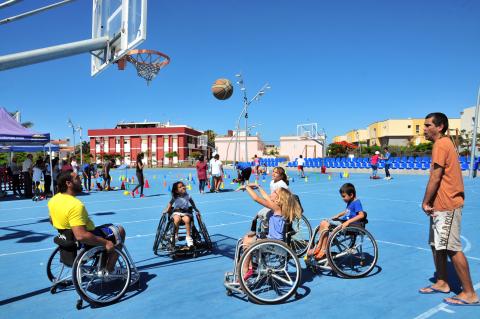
(293,146)
(226,145)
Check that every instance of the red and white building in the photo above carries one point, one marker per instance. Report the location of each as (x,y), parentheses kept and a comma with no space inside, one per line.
(154,139)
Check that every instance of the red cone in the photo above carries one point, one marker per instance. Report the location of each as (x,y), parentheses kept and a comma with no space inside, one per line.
(136,192)
(123,186)
(146,184)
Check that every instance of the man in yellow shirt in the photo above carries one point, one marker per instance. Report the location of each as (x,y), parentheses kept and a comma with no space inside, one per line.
(68,212)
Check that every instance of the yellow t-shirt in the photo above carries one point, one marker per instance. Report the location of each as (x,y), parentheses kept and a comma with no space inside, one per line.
(67,211)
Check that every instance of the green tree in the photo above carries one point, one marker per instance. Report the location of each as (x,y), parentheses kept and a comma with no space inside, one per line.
(170,156)
(335,150)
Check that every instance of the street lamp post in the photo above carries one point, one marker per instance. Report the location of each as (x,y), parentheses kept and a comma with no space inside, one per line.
(70,124)
(246,104)
(79,129)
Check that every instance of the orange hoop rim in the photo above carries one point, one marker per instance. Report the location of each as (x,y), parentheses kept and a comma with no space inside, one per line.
(131,53)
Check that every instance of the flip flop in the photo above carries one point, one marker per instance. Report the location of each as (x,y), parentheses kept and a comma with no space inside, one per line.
(462,302)
(432,291)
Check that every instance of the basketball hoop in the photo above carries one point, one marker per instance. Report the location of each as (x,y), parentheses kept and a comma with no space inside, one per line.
(147,62)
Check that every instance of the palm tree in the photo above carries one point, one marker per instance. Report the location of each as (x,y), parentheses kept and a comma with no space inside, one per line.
(27,124)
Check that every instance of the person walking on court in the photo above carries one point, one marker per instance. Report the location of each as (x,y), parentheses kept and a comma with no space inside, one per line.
(139,173)
(388,162)
(202,168)
(443,203)
(300,165)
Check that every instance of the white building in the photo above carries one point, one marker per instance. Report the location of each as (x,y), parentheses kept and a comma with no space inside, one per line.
(226,145)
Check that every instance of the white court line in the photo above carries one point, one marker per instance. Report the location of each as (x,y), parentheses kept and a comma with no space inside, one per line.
(419,248)
(440,307)
(128,237)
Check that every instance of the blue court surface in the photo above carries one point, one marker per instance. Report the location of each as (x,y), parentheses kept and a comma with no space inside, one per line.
(193,288)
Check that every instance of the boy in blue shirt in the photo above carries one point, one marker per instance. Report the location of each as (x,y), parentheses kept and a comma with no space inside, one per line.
(353,213)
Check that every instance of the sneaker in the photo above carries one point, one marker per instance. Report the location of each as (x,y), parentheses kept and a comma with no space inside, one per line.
(189,241)
(142,196)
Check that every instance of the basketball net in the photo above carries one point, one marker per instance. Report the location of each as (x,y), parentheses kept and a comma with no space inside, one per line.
(147,62)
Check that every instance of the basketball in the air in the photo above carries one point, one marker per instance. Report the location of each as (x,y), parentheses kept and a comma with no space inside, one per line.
(222,89)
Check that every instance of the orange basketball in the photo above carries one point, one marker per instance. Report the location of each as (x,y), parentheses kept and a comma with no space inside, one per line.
(222,89)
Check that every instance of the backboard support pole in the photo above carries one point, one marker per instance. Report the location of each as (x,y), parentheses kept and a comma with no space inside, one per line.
(29,13)
(15,60)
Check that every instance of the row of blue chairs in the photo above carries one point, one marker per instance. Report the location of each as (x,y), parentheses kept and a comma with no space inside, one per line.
(270,162)
(422,164)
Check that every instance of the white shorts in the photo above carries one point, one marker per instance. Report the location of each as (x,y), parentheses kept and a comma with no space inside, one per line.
(445,230)
(182,214)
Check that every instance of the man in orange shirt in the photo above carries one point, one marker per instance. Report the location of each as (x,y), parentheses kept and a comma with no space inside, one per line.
(443,203)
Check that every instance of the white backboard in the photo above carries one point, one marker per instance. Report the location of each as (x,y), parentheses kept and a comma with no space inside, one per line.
(124,22)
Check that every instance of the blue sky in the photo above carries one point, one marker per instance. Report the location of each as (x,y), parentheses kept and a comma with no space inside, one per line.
(342,64)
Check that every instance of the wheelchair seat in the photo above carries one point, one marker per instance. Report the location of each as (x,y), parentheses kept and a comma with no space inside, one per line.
(68,246)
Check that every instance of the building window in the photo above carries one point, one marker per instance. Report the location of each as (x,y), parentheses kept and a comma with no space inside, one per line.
(117,145)
(126,145)
(105,145)
(144,147)
(417,129)
(409,126)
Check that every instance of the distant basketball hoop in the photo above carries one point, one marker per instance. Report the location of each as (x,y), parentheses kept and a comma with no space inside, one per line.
(147,62)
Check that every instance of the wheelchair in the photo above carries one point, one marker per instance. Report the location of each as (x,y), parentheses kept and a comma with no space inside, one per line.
(276,270)
(301,232)
(165,243)
(72,263)
(351,252)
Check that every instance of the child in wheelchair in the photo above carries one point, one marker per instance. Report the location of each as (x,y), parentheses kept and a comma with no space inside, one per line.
(353,213)
(181,206)
(283,207)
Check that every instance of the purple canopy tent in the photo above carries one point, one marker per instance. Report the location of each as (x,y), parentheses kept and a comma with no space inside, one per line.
(16,138)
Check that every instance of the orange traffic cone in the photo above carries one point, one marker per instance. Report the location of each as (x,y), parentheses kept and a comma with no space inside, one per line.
(164,183)
(146,184)
(123,186)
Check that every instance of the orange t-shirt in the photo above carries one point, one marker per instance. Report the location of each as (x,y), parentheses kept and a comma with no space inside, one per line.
(450,194)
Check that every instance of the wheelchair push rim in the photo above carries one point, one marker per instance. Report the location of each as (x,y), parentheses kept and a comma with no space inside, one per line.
(352,252)
(276,272)
(93,283)
(303,232)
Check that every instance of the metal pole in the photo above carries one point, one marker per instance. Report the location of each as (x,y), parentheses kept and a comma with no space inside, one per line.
(15,60)
(81,147)
(474,138)
(246,132)
(8,3)
(29,13)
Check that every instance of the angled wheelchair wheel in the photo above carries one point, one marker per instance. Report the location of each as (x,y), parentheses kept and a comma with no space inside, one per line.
(301,237)
(57,272)
(275,272)
(205,235)
(352,252)
(93,282)
(160,232)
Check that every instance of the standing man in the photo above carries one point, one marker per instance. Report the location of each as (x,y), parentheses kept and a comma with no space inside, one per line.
(443,203)
(27,175)
(300,165)
(106,174)
(388,162)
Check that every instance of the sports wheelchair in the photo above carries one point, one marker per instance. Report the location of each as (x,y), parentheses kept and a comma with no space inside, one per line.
(165,241)
(85,268)
(301,232)
(276,269)
(351,252)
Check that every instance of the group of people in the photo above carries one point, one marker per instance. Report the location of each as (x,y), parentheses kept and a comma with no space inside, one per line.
(213,170)
(374,161)
(442,203)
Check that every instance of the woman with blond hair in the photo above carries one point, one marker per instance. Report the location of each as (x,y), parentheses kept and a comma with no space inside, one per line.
(283,206)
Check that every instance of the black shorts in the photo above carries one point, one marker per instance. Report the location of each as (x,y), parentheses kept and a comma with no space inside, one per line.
(106,232)
(245,173)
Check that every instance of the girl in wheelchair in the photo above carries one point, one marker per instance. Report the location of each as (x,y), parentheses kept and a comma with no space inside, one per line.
(282,207)
(353,213)
(182,205)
